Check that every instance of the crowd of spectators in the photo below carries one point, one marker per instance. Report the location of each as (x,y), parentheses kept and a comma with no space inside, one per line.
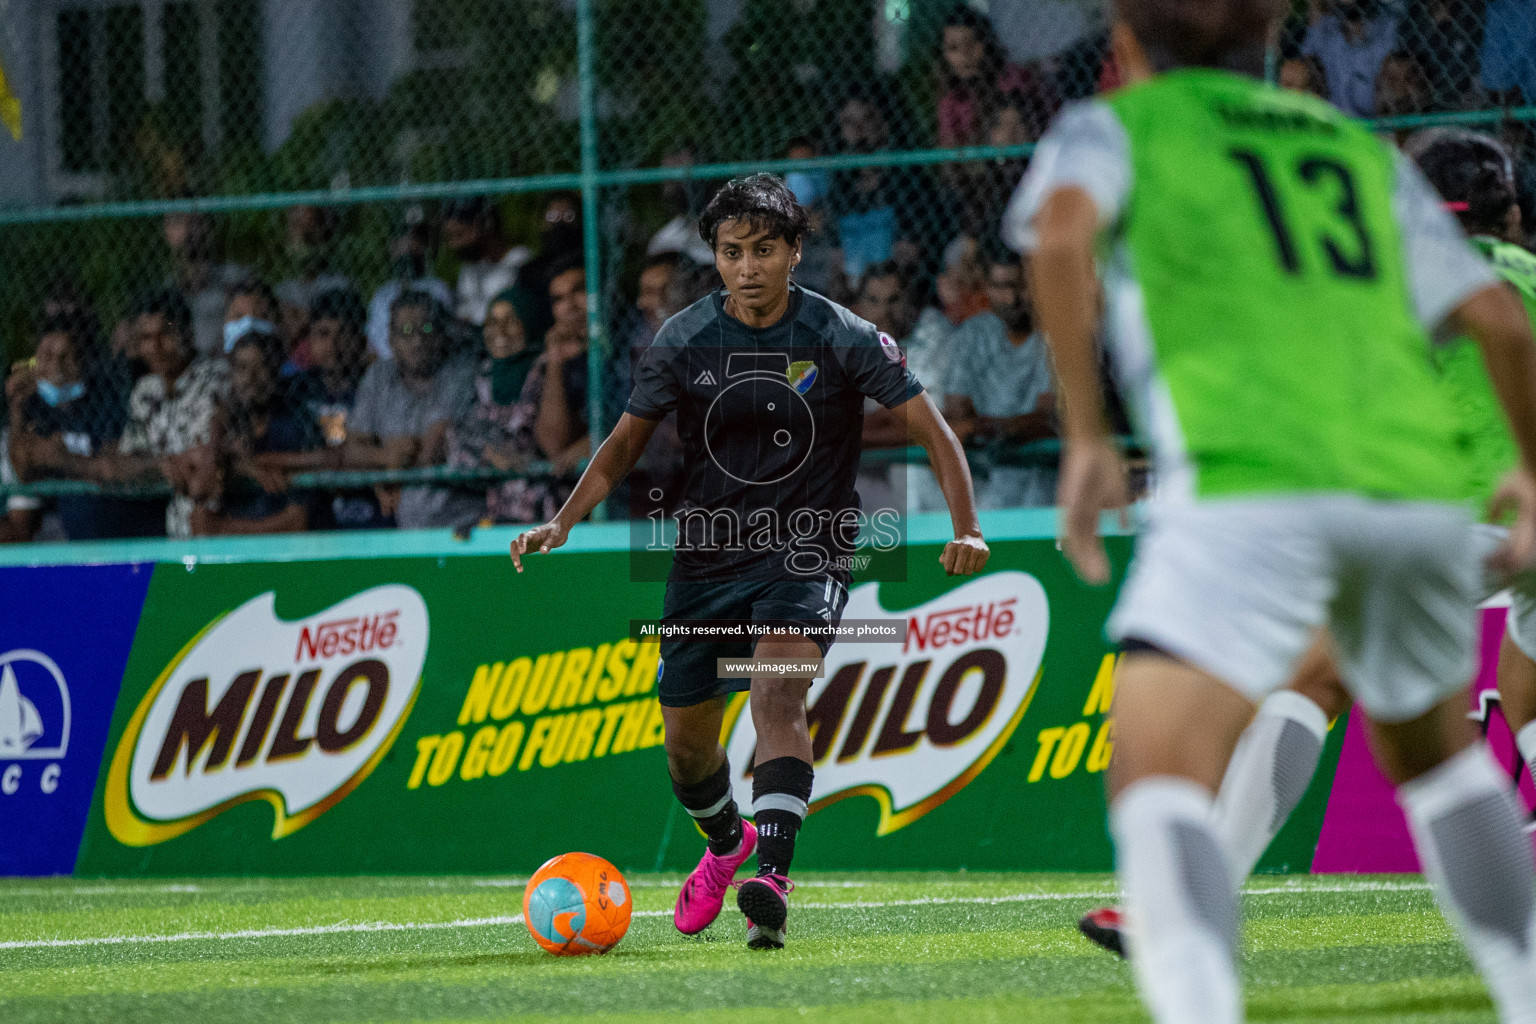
(225,386)
(1375,58)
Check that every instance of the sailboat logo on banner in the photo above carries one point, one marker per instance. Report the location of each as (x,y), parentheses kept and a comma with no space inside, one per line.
(34,707)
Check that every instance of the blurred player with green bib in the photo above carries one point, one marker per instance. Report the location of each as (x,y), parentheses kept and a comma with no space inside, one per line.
(1476,176)
(1273,279)
(1279,752)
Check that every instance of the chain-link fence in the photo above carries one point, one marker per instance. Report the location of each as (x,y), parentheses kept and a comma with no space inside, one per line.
(369,220)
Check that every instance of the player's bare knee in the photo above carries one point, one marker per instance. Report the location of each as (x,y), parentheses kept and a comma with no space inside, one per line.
(1517,685)
(1406,750)
(1317,678)
(1325,688)
(778,702)
(692,757)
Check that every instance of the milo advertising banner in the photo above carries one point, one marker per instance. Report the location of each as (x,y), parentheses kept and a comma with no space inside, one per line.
(409,704)
(445,714)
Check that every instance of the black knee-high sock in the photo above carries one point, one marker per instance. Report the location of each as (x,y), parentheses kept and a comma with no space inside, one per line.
(781,790)
(709,801)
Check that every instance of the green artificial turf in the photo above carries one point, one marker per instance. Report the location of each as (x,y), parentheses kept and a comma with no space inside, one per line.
(886,948)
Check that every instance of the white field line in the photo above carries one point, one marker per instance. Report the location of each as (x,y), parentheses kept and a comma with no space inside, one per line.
(92,890)
(344,927)
(660,883)
(264,933)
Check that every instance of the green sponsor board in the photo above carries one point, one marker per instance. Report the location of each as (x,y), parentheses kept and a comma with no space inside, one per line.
(442,714)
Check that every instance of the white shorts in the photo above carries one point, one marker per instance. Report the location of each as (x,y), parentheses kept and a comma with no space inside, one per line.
(1237,588)
(1521,620)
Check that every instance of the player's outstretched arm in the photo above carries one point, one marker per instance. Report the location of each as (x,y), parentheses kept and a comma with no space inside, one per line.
(1065,287)
(612,463)
(967,553)
(1496,318)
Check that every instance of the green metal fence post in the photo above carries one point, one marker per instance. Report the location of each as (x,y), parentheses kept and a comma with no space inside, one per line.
(597,342)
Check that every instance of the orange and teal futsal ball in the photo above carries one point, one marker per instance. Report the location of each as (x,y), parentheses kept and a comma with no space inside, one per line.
(577,904)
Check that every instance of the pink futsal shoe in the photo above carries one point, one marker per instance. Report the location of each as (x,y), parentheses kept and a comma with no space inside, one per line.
(765,902)
(704,891)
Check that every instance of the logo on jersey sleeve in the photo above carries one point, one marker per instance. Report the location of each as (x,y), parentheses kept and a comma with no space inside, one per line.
(255,707)
(891,349)
(802,376)
(910,726)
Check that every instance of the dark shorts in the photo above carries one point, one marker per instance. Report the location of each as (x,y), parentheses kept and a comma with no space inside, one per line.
(688,667)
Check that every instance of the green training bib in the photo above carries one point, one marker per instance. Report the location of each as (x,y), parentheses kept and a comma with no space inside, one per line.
(1482,432)
(1260,228)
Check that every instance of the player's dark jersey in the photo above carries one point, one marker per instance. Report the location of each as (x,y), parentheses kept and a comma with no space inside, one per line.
(770,421)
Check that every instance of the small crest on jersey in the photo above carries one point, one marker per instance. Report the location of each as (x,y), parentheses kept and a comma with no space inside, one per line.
(891,349)
(707,379)
(801,376)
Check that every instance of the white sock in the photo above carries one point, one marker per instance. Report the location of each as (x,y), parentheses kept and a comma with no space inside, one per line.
(1270,771)
(1525,740)
(1476,855)
(1182,912)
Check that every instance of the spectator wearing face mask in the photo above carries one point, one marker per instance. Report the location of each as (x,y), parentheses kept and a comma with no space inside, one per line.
(1352,43)
(821,261)
(488,263)
(250,305)
(409,255)
(64,413)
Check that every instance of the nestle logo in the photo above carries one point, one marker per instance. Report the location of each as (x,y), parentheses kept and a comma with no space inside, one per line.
(968,623)
(341,637)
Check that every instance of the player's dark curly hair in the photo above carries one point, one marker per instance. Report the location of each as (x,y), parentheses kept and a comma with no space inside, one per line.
(1228,34)
(1473,173)
(763,201)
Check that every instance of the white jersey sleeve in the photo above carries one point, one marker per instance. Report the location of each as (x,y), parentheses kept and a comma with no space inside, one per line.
(1086,148)
(1443,268)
